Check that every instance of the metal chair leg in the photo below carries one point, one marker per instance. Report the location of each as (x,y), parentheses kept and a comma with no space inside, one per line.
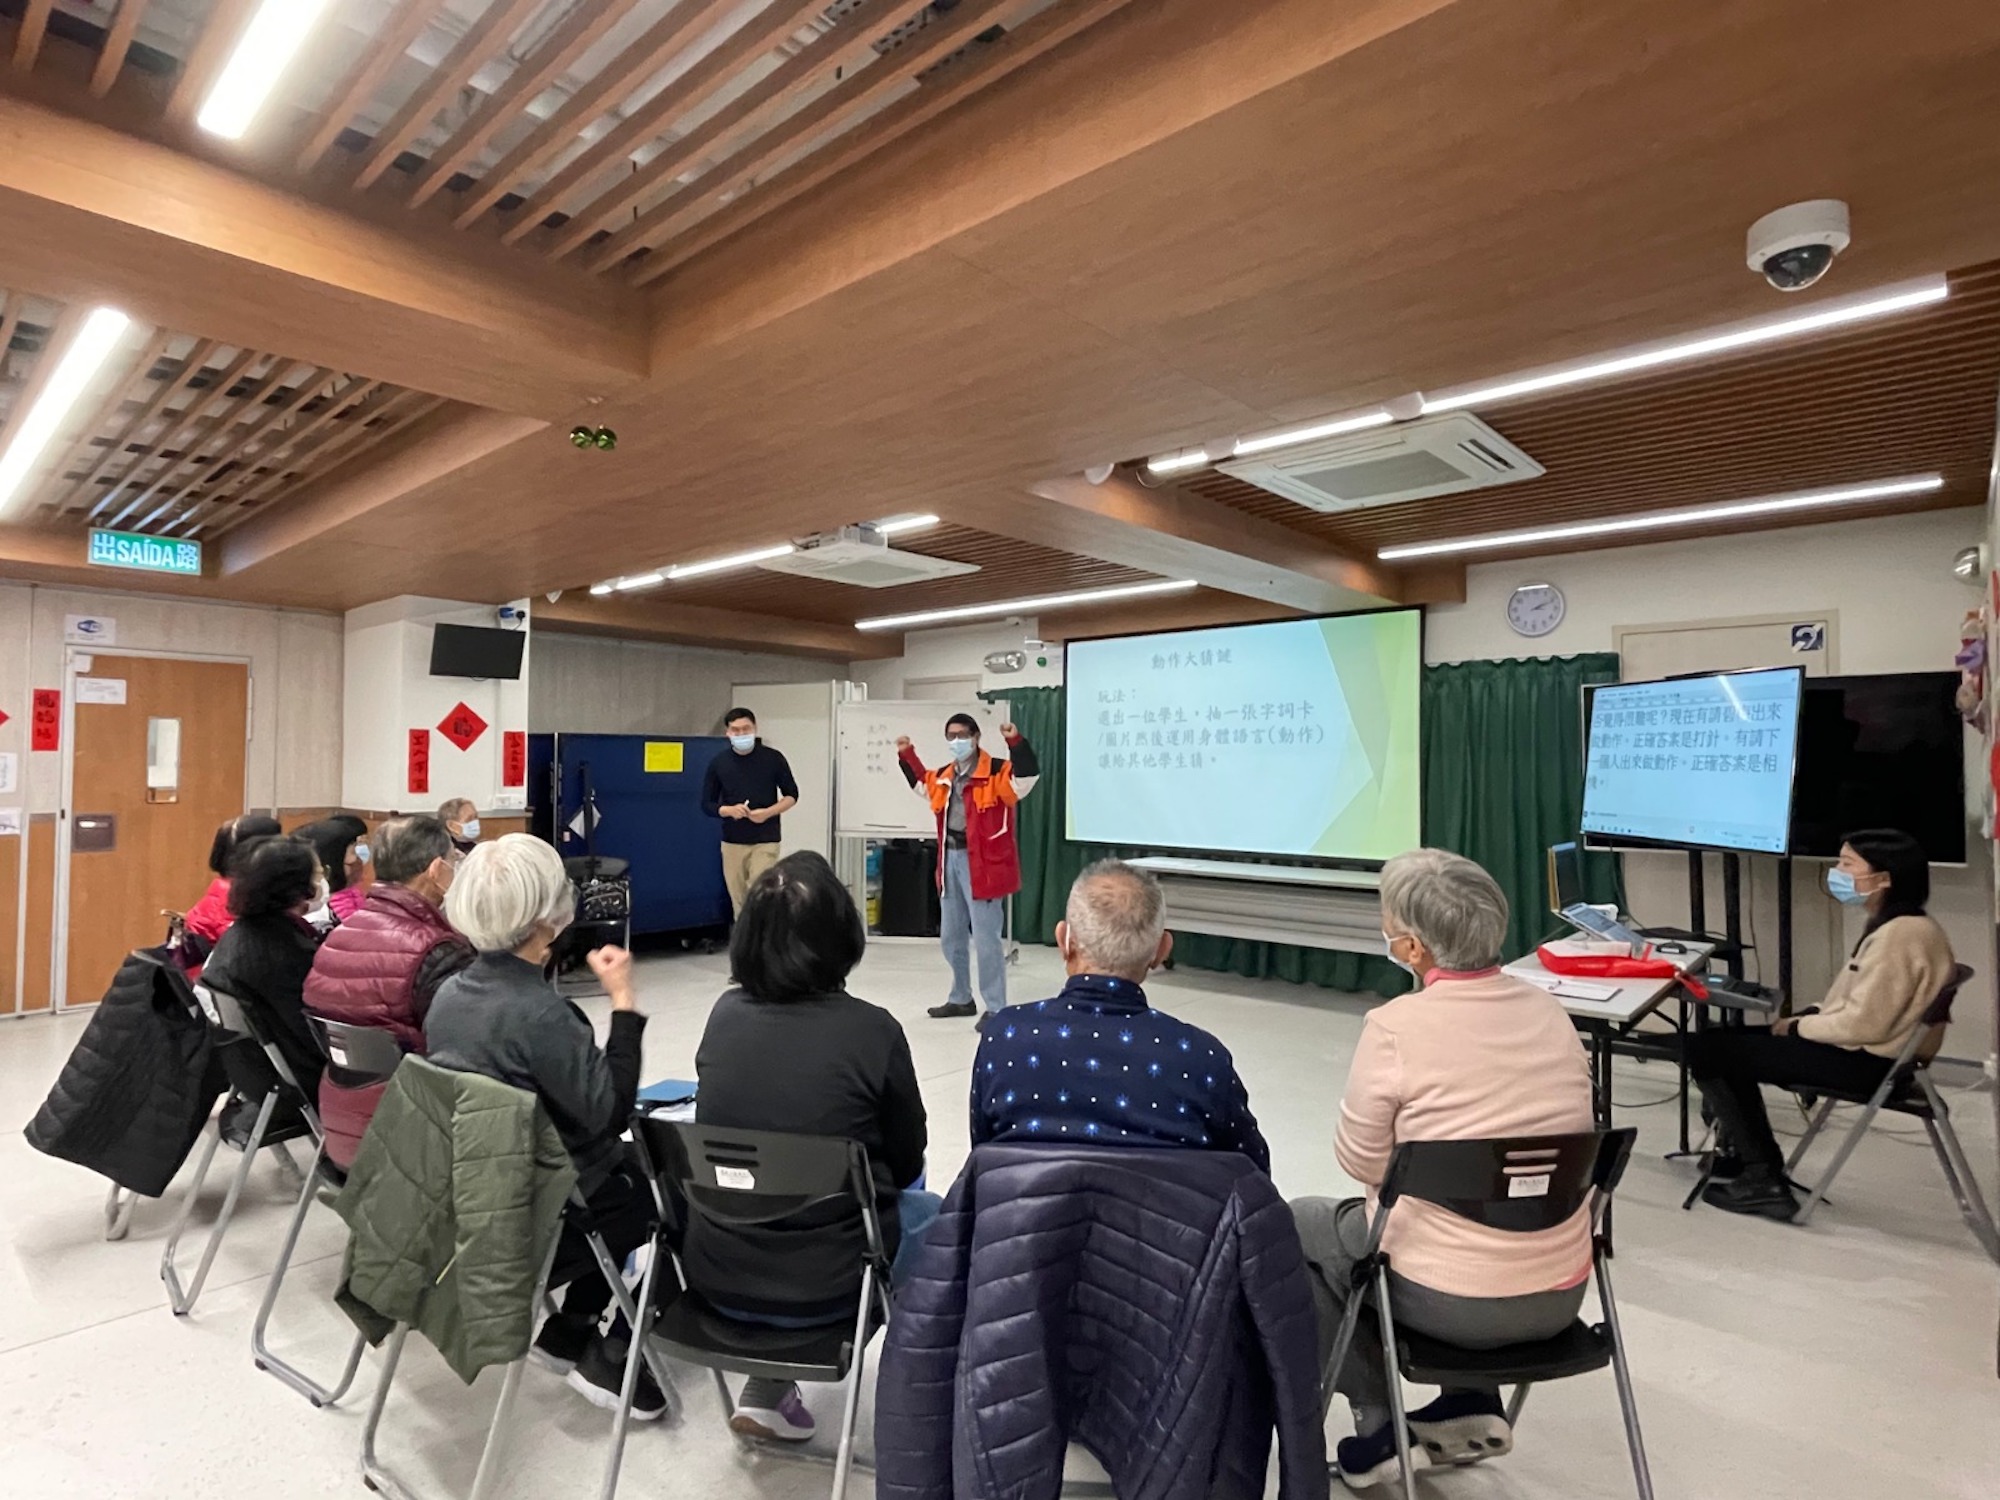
(844,1458)
(1350,1320)
(118,1213)
(1516,1402)
(1398,1419)
(1958,1170)
(372,1473)
(615,1275)
(260,1351)
(488,1473)
(182,1300)
(642,1331)
(1627,1405)
(1817,1124)
(1847,1148)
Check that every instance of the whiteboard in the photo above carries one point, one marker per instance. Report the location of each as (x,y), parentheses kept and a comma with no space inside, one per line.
(872,800)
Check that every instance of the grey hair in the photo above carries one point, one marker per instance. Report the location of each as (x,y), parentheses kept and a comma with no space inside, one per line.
(504,888)
(1448,903)
(448,810)
(1116,914)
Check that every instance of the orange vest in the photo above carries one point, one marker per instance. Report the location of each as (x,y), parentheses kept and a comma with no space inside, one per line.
(991,848)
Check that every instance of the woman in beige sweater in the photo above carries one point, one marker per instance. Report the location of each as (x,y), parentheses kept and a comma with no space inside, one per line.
(1848,1042)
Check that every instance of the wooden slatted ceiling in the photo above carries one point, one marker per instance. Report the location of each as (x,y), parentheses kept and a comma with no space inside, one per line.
(1913,394)
(1007,570)
(641,176)
(190,438)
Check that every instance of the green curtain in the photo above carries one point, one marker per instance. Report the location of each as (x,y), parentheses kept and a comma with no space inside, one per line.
(1503,779)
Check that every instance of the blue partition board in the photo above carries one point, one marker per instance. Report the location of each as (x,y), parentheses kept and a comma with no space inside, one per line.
(650,818)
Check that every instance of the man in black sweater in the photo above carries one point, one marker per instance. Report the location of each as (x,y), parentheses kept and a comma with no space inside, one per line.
(749,786)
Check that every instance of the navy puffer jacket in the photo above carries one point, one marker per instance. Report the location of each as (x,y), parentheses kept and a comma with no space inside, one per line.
(1151,1305)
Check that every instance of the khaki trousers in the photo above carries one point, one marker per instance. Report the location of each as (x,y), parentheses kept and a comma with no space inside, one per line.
(742,864)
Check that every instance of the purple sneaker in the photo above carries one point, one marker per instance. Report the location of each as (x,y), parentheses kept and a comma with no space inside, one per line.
(767,1411)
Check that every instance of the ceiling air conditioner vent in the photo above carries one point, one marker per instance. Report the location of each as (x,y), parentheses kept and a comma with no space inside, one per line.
(1389,465)
(863,559)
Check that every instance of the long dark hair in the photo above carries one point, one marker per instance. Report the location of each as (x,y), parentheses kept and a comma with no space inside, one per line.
(800,933)
(331,839)
(1891,852)
(235,832)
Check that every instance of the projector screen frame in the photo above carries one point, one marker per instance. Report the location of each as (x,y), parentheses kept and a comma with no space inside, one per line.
(1595,843)
(1303,861)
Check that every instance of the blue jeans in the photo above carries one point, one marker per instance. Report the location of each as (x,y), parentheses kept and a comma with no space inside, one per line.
(967,926)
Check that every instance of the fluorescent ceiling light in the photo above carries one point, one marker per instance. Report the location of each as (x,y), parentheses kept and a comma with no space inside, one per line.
(897,525)
(638,581)
(738,560)
(1174,463)
(72,376)
(1694,516)
(1025,606)
(1293,435)
(603,588)
(1860,309)
(263,52)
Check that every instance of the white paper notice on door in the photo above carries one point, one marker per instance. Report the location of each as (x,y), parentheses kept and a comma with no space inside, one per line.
(100,690)
(10,822)
(10,768)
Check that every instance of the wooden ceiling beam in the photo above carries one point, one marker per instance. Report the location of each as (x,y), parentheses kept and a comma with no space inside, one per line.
(47,498)
(562,129)
(95,215)
(848,51)
(399,411)
(28,39)
(176,426)
(396,39)
(482,41)
(237,453)
(300,443)
(586,27)
(82,492)
(582,613)
(755,39)
(1175,535)
(1024,44)
(204,62)
(179,474)
(403,468)
(117,44)
(68,320)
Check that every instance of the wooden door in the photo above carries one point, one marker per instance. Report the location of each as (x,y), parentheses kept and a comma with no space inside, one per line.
(136,849)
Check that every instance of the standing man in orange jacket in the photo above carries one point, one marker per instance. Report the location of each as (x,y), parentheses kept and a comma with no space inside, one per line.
(979,853)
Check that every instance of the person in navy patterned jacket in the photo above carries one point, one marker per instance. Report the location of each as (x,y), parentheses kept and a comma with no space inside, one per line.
(1097,1065)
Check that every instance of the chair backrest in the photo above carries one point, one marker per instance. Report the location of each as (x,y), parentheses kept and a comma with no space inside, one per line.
(1938,1012)
(357,1055)
(1516,1183)
(251,1060)
(751,1177)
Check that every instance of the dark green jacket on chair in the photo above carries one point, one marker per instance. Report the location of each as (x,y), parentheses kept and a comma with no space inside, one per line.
(454,1200)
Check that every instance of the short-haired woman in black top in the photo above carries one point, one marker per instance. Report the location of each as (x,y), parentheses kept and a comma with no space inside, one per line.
(788,1049)
(264,957)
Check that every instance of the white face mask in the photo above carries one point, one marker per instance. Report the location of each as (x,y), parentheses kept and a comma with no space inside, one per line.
(469,829)
(1389,950)
(743,744)
(961,750)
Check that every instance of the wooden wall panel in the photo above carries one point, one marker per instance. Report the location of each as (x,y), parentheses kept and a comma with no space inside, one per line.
(10,918)
(39,937)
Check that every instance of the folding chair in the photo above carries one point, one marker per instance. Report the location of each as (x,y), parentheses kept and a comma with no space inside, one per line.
(1520,1185)
(356,1056)
(742,1179)
(254,1073)
(1906,1089)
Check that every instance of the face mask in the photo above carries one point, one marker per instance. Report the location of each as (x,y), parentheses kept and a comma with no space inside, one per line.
(1389,950)
(1840,886)
(361,854)
(961,750)
(469,830)
(743,744)
(321,895)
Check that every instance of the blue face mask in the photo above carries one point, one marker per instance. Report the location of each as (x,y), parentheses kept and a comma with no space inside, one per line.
(961,750)
(1840,886)
(469,830)
(361,852)
(743,744)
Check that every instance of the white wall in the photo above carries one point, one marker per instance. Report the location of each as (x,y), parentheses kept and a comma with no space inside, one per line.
(586,684)
(295,682)
(389,691)
(1899,608)
(961,651)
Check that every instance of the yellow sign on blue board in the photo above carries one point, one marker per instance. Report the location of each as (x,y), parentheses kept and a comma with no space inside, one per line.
(665,755)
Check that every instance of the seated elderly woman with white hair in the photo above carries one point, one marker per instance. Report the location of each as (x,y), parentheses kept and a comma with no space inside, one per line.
(1470,1054)
(502,1018)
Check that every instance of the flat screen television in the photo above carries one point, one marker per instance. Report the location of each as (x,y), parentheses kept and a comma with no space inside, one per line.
(1700,762)
(1882,751)
(477,651)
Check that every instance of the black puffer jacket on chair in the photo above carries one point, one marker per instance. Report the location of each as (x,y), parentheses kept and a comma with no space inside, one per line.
(137,1090)
(1150,1305)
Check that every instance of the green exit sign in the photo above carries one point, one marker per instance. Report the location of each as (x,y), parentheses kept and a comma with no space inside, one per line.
(145,554)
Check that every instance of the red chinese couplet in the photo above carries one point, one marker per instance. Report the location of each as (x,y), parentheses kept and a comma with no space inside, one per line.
(462,727)
(420,760)
(46,730)
(514,757)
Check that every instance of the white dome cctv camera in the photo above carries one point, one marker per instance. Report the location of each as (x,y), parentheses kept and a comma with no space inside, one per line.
(1795,246)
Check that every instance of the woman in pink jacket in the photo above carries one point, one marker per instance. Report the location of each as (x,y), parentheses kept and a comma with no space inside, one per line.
(1469,1054)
